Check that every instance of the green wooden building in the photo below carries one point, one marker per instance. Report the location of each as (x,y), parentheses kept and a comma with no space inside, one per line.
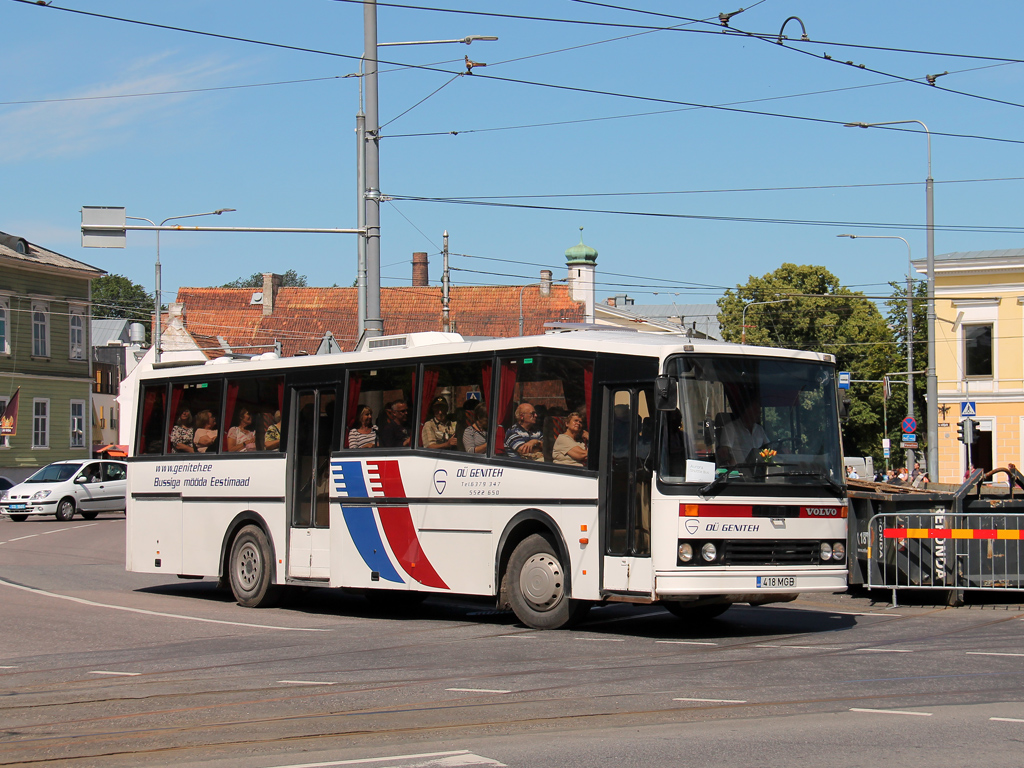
(46,351)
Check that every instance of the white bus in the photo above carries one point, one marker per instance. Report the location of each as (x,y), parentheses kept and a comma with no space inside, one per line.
(550,472)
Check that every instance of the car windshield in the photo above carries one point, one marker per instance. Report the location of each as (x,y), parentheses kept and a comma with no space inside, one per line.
(751,420)
(54,473)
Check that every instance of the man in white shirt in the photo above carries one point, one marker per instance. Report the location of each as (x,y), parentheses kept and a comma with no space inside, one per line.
(742,437)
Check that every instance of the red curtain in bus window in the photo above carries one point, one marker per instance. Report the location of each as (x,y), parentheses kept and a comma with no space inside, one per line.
(149,402)
(588,388)
(506,388)
(430,377)
(176,393)
(355,386)
(280,394)
(485,383)
(229,413)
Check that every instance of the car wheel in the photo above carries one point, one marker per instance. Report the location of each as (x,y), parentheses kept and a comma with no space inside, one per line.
(65,510)
(250,566)
(89,515)
(535,582)
(696,613)
(19,518)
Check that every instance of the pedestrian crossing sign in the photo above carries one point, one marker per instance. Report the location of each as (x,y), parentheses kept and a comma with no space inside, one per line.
(967,409)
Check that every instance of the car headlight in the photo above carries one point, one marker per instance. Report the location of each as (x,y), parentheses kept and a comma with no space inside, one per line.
(826,551)
(839,551)
(3,495)
(709,552)
(40,495)
(685,552)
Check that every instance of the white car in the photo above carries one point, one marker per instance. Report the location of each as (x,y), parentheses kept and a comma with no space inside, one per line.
(65,487)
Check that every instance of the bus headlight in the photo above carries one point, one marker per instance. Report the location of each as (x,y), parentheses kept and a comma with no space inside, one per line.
(826,551)
(839,551)
(709,552)
(685,552)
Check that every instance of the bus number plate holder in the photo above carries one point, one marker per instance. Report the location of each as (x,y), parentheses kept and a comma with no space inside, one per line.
(775,582)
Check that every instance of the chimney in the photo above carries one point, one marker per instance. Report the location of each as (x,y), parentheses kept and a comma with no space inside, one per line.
(545,283)
(420,273)
(271,283)
(175,315)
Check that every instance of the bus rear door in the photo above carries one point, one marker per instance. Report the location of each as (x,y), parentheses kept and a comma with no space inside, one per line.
(313,414)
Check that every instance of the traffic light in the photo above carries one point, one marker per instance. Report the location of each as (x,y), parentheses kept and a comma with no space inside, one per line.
(961,429)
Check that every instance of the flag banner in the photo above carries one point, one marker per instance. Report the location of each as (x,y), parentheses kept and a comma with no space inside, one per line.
(9,418)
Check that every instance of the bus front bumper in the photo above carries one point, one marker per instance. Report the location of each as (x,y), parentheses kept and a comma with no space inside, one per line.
(749,581)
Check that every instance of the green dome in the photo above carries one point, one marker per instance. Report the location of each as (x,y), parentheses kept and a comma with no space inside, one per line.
(581,254)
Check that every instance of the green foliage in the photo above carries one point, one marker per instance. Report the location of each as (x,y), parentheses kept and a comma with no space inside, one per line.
(896,315)
(816,313)
(290,279)
(117,296)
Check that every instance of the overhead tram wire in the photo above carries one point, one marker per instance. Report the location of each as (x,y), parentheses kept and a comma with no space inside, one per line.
(740,219)
(497,78)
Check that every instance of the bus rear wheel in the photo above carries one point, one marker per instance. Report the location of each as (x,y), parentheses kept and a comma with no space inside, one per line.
(249,569)
(696,612)
(535,584)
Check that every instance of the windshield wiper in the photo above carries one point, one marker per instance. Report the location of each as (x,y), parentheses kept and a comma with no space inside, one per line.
(723,479)
(824,477)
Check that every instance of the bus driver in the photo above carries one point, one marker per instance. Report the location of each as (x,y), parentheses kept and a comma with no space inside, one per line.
(742,437)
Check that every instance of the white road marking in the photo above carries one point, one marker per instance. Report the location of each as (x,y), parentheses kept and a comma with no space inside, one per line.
(46,533)
(82,601)
(30,536)
(891,712)
(519,637)
(803,647)
(7,667)
(1007,719)
(119,674)
(630,617)
(716,701)
(366,761)
(602,639)
(477,690)
(865,613)
(307,682)
(882,650)
(992,653)
(683,642)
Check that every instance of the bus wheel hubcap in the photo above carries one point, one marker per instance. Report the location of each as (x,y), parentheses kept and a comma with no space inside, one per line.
(541,581)
(249,566)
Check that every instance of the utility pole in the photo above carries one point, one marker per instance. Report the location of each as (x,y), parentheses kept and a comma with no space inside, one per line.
(371,194)
(446,325)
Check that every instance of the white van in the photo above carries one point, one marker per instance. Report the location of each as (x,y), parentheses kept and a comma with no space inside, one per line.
(864,466)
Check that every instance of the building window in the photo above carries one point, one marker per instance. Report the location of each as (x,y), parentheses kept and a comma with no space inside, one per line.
(978,350)
(77,423)
(40,423)
(40,329)
(76,334)
(5,348)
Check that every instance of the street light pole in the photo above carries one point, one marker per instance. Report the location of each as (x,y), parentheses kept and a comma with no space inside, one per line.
(157,295)
(910,328)
(368,136)
(932,387)
(743,316)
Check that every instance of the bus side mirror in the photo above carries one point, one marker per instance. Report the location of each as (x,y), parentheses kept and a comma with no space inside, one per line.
(665,393)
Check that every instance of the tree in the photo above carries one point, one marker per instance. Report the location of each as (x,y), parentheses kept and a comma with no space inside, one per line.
(814,312)
(290,279)
(117,296)
(897,316)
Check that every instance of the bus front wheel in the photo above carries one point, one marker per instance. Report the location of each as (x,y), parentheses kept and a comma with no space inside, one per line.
(249,567)
(535,583)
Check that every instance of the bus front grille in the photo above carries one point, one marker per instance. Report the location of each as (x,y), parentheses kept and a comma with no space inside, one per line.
(753,552)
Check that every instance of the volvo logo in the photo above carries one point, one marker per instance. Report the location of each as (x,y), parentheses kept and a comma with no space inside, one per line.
(822,511)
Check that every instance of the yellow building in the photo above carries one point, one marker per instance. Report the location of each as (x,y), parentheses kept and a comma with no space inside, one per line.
(981,358)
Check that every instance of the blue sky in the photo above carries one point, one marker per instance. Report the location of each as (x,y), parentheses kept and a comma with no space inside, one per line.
(221,135)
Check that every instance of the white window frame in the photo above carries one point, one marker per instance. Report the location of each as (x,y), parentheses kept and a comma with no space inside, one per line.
(4,441)
(5,325)
(41,307)
(76,313)
(80,420)
(44,432)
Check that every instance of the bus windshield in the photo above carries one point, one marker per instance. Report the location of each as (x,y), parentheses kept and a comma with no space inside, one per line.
(751,420)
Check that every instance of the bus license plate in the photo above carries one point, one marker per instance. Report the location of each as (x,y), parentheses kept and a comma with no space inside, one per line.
(775,582)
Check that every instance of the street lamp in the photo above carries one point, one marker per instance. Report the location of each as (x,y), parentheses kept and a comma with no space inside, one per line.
(743,321)
(932,389)
(910,327)
(368,165)
(156,293)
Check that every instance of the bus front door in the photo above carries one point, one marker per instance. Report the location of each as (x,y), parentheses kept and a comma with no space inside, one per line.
(313,414)
(625,503)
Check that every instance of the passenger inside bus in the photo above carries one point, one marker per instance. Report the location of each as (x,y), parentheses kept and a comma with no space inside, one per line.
(438,433)
(272,431)
(205,437)
(395,432)
(182,433)
(363,433)
(242,436)
(474,439)
(571,446)
(523,439)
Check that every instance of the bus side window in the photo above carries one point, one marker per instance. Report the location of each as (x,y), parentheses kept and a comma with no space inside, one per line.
(154,411)
(378,408)
(450,397)
(254,412)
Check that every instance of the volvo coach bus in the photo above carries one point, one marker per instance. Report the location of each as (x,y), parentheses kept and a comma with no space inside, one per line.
(550,472)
